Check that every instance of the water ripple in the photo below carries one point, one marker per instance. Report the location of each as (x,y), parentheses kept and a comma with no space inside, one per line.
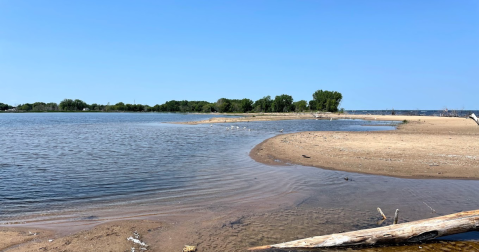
(56,162)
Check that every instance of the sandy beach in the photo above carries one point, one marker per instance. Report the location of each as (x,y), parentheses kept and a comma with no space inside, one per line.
(424,147)
(256,117)
(107,237)
(208,233)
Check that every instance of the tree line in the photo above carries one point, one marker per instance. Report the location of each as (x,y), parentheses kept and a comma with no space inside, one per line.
(323,100)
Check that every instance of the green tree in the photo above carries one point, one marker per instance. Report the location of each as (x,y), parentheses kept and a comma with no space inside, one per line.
(283,103)
(163,108)
(208,108)
(79,104)
(95,107)
(236,106)
(39,106)
(51,106)
(325,101)
(172,106)
(246,105)
(199,106)
(120,106)
(223,105)
(4,106)
(184,106)
(263,105)
(25,107)
(66,105)
(72,105)
(300,106)
(137,107)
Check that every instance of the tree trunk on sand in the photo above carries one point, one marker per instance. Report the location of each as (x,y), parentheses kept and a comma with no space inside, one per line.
(474,117)
(415,231)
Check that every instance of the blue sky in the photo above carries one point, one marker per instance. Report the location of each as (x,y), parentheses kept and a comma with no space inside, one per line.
(378,54)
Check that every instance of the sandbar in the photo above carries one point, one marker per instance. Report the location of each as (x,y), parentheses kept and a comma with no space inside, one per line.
(423,147)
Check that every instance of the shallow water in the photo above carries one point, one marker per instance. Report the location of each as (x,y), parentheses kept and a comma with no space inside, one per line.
(62,165)
(54,161)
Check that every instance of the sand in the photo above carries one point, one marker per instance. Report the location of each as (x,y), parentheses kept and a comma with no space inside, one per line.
(424,147)
(11,237)
(254,117)
(107,237)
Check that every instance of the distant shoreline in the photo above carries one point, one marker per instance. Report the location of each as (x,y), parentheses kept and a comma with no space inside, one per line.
(250,117)
(437,113)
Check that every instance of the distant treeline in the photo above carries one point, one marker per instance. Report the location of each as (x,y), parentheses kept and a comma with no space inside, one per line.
(322,101)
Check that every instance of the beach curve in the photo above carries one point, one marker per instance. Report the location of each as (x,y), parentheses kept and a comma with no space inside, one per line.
(422,147)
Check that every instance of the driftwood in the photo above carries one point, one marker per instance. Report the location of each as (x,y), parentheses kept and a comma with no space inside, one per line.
(396,217)
(415,231)
(474,117)
(382,214)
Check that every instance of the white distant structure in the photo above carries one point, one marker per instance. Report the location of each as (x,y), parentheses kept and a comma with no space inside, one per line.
(86,109)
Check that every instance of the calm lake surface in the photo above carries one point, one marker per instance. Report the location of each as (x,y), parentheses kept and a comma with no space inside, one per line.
(55,163)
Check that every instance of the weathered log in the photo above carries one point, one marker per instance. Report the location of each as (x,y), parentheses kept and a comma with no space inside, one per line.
(474,117)
(415,231)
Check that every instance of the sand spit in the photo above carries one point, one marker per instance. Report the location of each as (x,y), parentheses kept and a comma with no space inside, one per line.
(253,117)
(424,147)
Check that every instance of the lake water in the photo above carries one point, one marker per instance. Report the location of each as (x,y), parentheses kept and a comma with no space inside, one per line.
(53,161)
(54,164)
(416,112)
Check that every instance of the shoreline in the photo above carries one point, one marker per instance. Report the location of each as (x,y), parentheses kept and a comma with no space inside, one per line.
(424,147)
(251,117)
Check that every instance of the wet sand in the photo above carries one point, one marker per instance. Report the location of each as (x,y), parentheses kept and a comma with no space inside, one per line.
(11,237)
(107,237)
(220,233)
(424,147)
(434,143)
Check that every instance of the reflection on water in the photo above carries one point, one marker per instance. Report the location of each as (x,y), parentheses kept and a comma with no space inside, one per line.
(63,164)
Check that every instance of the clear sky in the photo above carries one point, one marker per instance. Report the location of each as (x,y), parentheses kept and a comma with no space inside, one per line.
(402,54)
